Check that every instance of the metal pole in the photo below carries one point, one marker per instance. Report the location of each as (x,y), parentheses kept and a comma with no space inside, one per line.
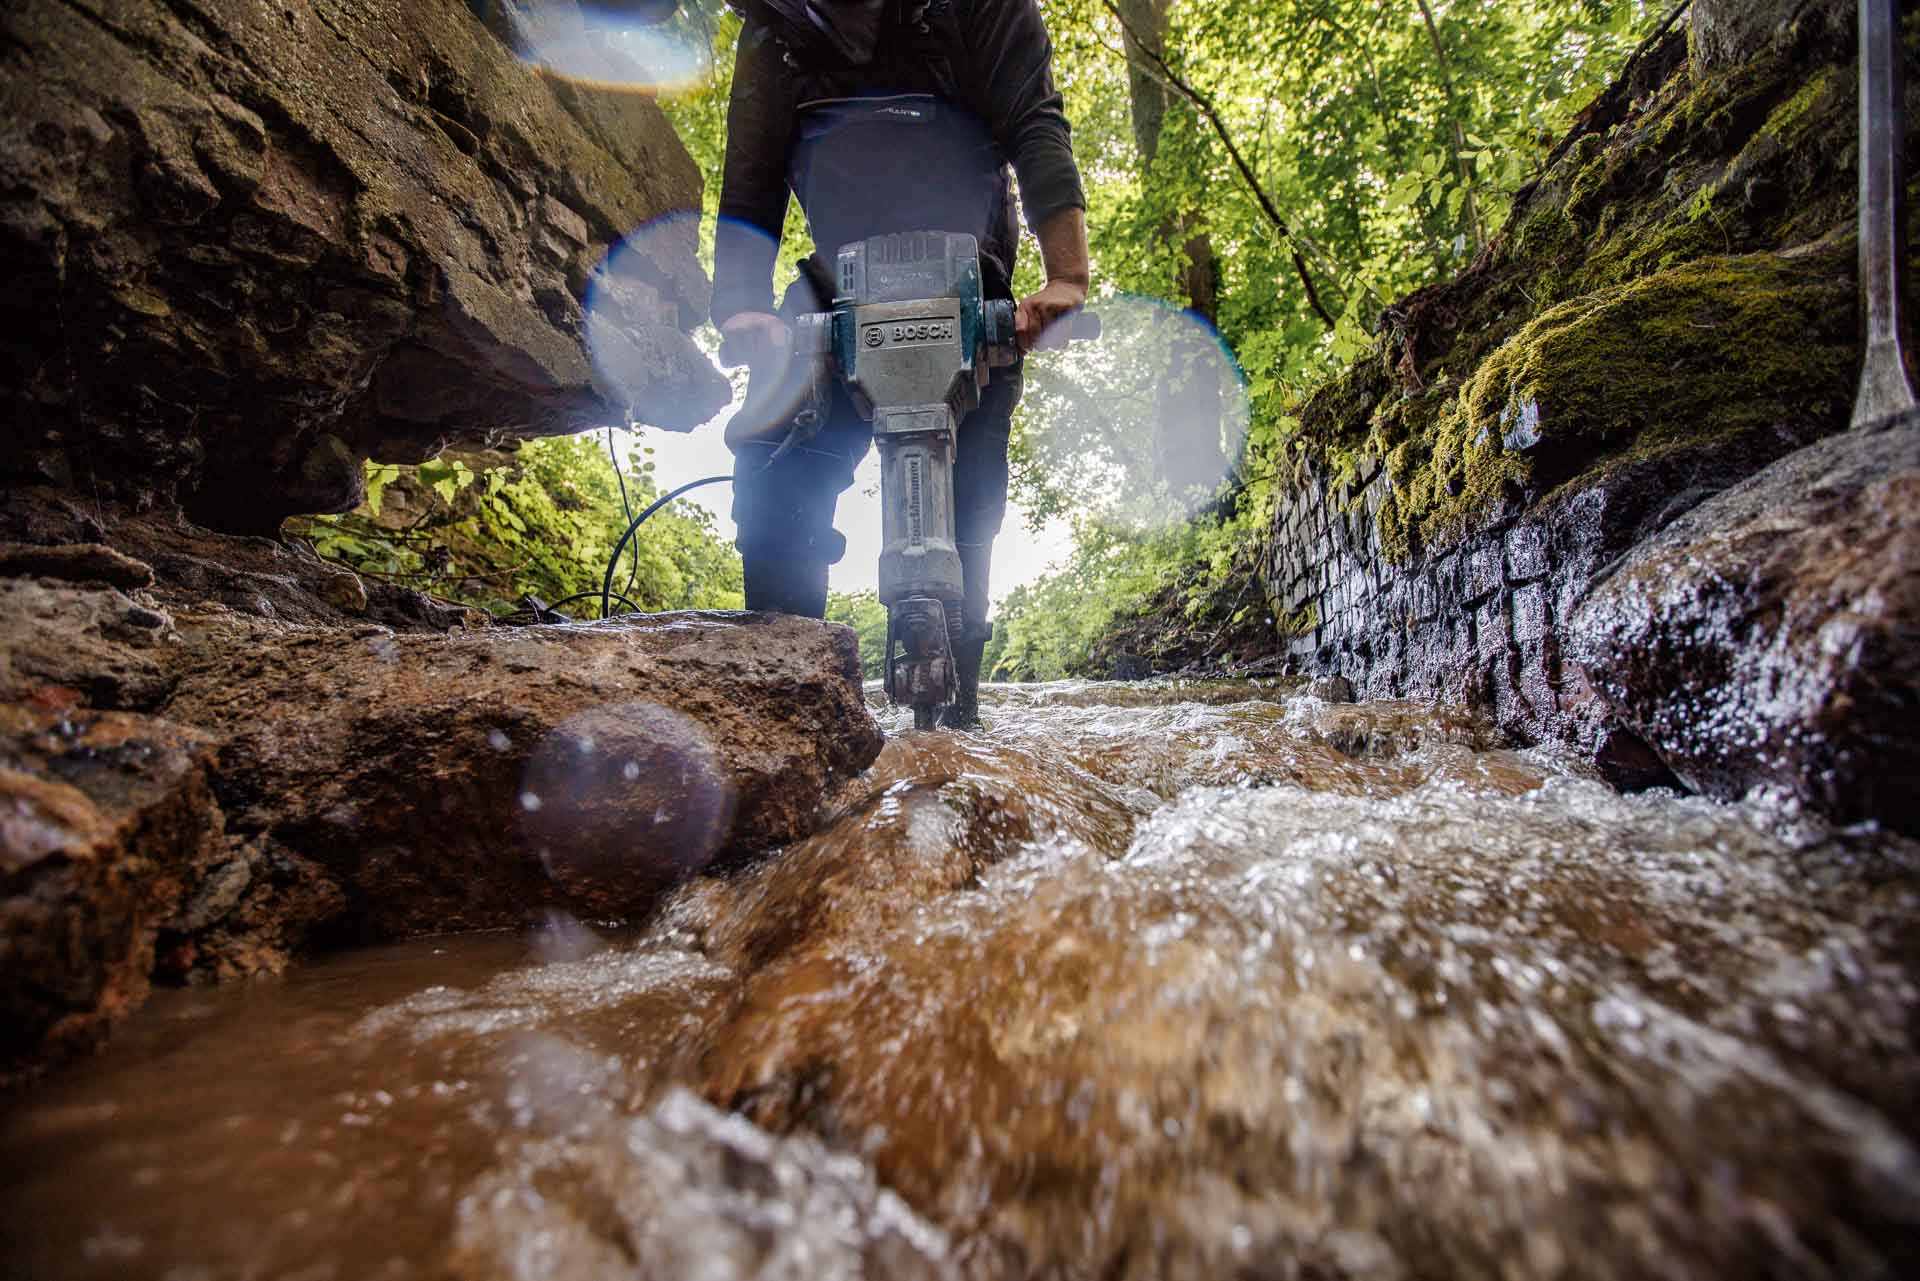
(1884,388)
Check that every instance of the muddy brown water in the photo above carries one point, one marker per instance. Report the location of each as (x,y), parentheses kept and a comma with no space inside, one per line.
(1154,981)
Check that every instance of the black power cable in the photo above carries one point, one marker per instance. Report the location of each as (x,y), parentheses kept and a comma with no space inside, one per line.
(626,507)
(613,563)
(562,603)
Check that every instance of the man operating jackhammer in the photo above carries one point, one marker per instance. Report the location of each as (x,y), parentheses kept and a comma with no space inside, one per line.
(884,116)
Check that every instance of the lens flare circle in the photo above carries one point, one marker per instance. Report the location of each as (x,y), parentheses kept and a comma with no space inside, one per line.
(1143,426)
(620,802)
(635,322)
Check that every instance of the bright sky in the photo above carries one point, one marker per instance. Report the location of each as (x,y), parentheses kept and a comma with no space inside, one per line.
(1019,555)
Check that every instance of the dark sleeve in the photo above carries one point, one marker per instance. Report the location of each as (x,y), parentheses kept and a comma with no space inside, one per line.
(1011,60)
(753,188)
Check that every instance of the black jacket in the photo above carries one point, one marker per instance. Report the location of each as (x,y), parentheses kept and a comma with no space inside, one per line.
(990,58)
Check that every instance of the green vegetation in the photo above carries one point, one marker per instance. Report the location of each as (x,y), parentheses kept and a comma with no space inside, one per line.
(1595,377)
(863,612)
(1391,150)
(487,529)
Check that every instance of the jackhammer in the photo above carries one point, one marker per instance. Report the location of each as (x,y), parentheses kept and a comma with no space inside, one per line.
(913,341)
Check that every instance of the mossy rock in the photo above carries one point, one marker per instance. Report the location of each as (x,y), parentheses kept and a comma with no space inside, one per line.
(1708,351)
(1710,347)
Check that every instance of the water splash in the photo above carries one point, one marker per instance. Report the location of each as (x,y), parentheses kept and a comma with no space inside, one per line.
(1153,981)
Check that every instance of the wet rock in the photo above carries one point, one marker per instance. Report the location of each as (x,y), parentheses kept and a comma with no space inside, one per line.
(1772,635)
(248,916)
(251,246)
(466,781)
(1331,689)
(689,1191)
(76,563)
(190,565)
(63,645)
(105,822)
(1481,1017)
(1447,1033)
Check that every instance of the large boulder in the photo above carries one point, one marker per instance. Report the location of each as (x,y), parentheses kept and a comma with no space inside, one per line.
(1725,32)
(463,781)
(105,822)
(194,793)
(1771,636)
(248,246)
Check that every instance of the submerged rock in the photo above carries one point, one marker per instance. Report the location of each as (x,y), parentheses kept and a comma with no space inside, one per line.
(1771,636)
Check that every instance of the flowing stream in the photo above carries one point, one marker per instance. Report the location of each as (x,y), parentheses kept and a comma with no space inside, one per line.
(1142,981)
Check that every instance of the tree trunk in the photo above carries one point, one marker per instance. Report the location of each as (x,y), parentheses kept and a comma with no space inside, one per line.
(1188,444)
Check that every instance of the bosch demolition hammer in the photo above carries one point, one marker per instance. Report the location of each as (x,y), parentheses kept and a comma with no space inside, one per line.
(913,341)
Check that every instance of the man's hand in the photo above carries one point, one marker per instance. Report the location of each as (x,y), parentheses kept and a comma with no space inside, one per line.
(1063,250)
(1044,319)
(753,338)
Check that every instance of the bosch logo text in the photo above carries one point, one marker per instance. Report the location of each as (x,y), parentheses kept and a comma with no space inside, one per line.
(909,331)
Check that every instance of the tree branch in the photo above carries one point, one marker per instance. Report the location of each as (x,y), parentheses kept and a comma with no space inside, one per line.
(1212,115)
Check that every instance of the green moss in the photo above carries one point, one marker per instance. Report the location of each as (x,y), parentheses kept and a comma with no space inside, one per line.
(1548,233)
(1700,352)
(1301,622)
(1590,163)
(1635,301)
(1722,339)
(1792,117)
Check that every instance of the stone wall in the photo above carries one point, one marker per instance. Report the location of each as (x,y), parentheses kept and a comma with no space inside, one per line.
(1669,310)
(1480,621)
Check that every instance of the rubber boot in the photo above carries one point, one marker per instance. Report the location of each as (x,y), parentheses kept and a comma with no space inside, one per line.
(782,585)
(964,711)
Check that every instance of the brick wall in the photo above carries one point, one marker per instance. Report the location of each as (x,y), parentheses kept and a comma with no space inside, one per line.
(1478,621)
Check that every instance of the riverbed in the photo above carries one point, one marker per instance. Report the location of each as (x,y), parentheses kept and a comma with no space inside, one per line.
(1139,981)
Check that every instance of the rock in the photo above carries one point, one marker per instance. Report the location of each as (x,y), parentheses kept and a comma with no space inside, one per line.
(1725,32)
(1771,636)
(466,781)
(249,246)
(247,915)
(63,645)
(1382,1035)
(105,821)
(373,783)
(192,566)
(76,563)
(1330,689)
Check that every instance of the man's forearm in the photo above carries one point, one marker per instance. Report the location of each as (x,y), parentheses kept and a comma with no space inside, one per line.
(1063,248)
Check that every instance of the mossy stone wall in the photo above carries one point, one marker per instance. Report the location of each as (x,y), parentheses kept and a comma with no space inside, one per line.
(1668,310)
